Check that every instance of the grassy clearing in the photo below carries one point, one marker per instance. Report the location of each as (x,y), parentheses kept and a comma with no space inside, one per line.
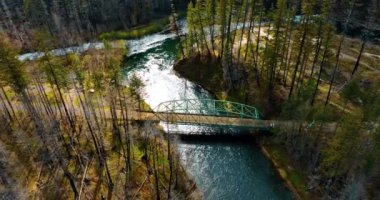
(138,31)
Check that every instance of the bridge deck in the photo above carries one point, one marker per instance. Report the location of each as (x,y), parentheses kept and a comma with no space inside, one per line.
(219,120)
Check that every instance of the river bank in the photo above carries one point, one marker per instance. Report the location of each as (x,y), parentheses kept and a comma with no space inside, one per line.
(207,72)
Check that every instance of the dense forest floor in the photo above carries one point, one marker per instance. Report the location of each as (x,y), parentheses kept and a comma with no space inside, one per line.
(136,161)
(207,72)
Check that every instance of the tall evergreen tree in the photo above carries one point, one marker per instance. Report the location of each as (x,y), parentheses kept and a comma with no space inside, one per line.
(332,79)
(305,30)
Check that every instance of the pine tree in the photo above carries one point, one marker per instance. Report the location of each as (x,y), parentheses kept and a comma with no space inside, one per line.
(274,55)
(287,45)
(258,39)
(344,151)
(211,20)
(252,12)
(332,79)
(323,19)
(326,56)
(305,30)
(190,39)
(174,21)
(227,57)
(199,10)
(246,9)
(222,21)
(366,35)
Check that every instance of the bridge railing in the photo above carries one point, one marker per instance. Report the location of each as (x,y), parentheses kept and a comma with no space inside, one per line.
(209,107)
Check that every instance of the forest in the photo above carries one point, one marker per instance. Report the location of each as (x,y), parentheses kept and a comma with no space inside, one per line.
(71,123)
(65,128)
(294,67)
(76,21)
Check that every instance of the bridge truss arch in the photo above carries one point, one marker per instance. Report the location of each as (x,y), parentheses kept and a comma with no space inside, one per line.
(208,107)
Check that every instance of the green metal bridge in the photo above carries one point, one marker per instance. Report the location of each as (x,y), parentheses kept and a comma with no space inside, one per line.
(208,107)
(211,112)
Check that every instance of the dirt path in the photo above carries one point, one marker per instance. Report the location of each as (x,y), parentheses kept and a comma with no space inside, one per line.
(352,58)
